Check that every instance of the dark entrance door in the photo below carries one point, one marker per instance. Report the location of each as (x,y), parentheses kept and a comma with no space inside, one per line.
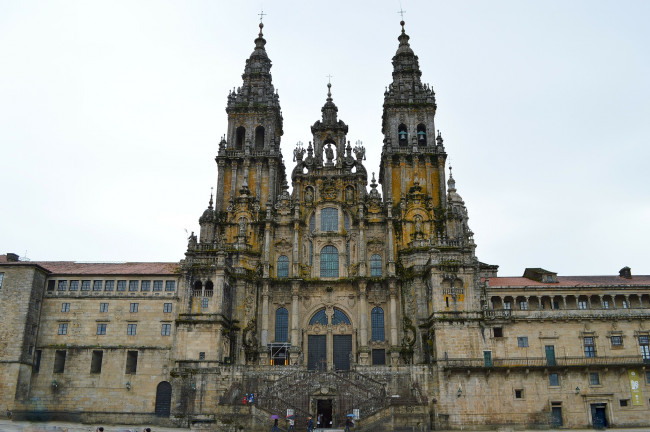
(556,416)
(163,399)
(317,358)
(598,416)
(342,351)
(550,355)
(324,413)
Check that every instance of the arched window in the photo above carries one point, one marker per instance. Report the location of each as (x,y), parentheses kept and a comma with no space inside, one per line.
(319,318)
(375,265)
(283,266)
(209,287)
(259,137)
(402,135)
(198,285)
(340,317)
(239,139)
(377,324)
(329,262)
(422,135)
(329,219)
(346,221)
(281,325)
(312,224)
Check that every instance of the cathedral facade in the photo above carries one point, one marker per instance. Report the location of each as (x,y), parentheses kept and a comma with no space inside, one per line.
(351,294)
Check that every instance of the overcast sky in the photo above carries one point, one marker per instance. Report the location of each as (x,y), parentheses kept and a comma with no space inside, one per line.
(111,113)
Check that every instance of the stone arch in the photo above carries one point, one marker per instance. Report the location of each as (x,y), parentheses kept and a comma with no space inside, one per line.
(259,137)
(402,135)
(422,135)
(240,137)
(163,399)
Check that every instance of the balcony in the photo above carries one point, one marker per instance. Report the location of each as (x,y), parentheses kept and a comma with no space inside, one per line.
(543,362)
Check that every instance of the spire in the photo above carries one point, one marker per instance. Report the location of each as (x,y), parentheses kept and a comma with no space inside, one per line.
(257,87)
(407,86)
(208,214)
(329,110)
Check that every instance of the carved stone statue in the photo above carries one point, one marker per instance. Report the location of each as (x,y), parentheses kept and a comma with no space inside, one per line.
(309,195)
(329,153)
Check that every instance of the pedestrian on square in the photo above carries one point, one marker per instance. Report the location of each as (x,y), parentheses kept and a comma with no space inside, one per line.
(310,424)
(275,427)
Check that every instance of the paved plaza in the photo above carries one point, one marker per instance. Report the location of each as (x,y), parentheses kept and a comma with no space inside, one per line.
(9,426)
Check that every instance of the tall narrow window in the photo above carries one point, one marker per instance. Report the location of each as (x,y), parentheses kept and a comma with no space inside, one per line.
(283,266)
(59,361)
(375,265)
(96,362)
(259,137)
(377,324)
(329,262)
(329,219)
(239,138)
(422,135)
(346,221)
(644,344)
(311,253)
(131,362)
(347,253)
(402,135)
(312,224)
(590,347)
(281,325)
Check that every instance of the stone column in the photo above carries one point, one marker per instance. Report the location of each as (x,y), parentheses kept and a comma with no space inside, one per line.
(295,257)
(428,182)
(233,179)
(272,180)
(390,269)
(267,244)
(362,242)
(564,301)
(258,181)
(265,314)
(402,167)
(363,314)
(441,178)
(389,179)
(394,355)
(295,323)
(221,164)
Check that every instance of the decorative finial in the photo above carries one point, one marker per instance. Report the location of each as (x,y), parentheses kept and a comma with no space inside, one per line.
(450,174)
(329,79)
(329,92)
(261,27)
(211,190)
(401,12)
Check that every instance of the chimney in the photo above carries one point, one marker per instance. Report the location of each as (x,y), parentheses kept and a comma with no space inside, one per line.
(625,272)
(12,257)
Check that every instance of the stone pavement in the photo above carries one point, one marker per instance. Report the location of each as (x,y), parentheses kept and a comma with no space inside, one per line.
(9,426)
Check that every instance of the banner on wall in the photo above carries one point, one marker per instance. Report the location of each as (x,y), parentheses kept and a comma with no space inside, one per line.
(635,387)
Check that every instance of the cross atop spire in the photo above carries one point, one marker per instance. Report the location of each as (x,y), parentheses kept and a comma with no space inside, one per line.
(329,78)
(261,15)
(401,11)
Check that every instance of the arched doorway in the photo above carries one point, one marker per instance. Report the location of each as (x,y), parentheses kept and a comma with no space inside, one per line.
(163,399)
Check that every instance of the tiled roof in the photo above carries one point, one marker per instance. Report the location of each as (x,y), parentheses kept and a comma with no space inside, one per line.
(569,281)
(81,268)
